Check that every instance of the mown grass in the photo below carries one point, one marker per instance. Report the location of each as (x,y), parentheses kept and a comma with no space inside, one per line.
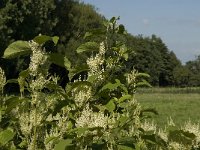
(181,106)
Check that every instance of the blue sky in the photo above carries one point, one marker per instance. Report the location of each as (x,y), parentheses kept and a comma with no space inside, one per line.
(177,22)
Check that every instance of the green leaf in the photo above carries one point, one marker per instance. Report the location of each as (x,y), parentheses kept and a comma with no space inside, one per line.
(92,78)
(41,39)
(154,140)
(81,131)
(80,85)
(110,86)
(124,147)
(110,105)
(121,29)
(143,83)
(60,60)
(95,33)
(181,136)
(13,102)
(124,97)
(67,63)
(12,81)
(77,71)
(125,56)
(89,46)
(16,49)
(114,19)
(24,73)
(52,138)
(6,136)
(63,144)
(143,75)
(123,120)
(149,110)
(55,39)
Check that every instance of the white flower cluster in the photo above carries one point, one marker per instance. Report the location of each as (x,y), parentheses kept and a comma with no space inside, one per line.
(177,146)
(81,96)
(193,128)
(131,77)
(38,57)
(147,126)
(60,129)
(170,122)
(38,83)
(2,79)
(163,134)
(61,120)
(92,119)
(54,132)
(28,120)
(96,63)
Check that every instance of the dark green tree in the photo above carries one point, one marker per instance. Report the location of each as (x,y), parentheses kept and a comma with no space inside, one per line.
(151,55)
(194,68)
(25,19)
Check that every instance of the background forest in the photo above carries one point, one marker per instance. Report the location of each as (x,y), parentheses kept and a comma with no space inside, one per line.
(70,20)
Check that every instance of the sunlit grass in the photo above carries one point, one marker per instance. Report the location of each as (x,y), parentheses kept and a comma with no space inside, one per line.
(180,107)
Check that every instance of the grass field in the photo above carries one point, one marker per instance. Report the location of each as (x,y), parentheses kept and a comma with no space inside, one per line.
(181,105)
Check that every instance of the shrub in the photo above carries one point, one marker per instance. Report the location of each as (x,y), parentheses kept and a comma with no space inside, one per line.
(97,110)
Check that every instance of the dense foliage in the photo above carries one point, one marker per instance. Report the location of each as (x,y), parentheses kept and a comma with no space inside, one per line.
(95,110)
(25,19)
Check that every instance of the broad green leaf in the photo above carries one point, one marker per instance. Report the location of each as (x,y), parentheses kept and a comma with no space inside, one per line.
(121,29)
(154,139)
(92,78)
(124,147)
(143,75)
(23,144)
(77,71)
(6,136)
(12,81)
(24,73)
(110,86)
(113,19)
(55,39)
(88,34)
(52,138)
(125,56)
(143,83)
(110,105)
(81,84)
(123,120)
(149,110)
(95,33)
(67,63)
(181,136)
(124,97)
(41,39)
(13,102)
(60,60)
(63,144)
(88,47)
(16,49)
(81,131)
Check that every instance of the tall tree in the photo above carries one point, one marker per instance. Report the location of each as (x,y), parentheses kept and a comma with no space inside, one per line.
(25,19)
(194,68)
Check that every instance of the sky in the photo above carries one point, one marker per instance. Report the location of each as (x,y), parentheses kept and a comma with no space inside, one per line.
(176,22)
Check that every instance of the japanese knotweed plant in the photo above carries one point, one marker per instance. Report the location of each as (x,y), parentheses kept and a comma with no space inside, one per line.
(96,110)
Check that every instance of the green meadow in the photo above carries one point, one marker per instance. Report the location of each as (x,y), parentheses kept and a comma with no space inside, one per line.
(180,104)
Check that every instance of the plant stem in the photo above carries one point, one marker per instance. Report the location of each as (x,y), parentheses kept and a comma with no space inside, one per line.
(35,130)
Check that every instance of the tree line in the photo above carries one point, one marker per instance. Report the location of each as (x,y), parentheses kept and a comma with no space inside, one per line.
(70,20)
